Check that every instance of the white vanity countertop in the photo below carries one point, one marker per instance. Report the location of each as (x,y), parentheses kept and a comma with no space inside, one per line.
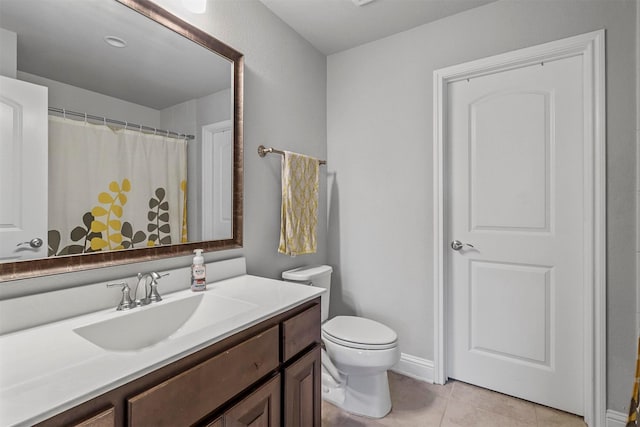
(48,369)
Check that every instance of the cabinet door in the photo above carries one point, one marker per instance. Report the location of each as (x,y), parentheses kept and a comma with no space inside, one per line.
(260,409)
(217,423)
(106,418)
(302,399)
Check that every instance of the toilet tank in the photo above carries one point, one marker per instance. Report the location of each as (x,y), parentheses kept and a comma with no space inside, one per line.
(318,275)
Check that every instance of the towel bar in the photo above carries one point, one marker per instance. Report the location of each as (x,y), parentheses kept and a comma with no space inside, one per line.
(263,151)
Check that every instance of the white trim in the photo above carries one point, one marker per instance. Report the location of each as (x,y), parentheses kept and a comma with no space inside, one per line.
(591,47)
(414,367)
(616,419)
(637,170)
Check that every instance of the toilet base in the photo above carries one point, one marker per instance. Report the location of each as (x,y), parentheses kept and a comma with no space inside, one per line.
(364,395)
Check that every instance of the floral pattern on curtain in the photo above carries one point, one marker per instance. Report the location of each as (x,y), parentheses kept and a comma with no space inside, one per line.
(112,189)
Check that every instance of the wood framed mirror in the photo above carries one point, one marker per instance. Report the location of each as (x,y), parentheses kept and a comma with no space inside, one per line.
(166,22)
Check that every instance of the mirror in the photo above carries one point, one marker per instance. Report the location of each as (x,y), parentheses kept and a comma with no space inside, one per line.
(190,81)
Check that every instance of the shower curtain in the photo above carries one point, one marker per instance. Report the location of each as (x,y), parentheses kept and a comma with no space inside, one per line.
(112,189)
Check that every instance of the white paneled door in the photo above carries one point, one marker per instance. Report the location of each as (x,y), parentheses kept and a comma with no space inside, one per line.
(515,320)
(23,170)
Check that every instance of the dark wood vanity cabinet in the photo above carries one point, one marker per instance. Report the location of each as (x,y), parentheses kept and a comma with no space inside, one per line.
(106,418)
(260,408)
(302,390)
(302,386)
(267,375)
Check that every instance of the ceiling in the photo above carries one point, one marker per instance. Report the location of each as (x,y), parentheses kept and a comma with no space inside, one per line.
(335,25)
(64,41)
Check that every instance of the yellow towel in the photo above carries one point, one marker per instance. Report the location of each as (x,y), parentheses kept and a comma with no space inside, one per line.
(300,177)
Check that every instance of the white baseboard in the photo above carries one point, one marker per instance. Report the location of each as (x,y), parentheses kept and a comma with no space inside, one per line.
(415,367)
(616,419)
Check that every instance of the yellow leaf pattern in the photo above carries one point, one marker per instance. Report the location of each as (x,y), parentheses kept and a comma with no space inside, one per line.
(98,211)
(117,210)
(98,226)
(110,227)
(105,198)
(139,169)
(97,244)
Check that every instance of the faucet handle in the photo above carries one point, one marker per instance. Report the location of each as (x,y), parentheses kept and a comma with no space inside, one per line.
(153,295)
(126,302)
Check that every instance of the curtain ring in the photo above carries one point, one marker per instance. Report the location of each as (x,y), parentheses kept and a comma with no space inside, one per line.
(64,114)
(85,118)
(155,131)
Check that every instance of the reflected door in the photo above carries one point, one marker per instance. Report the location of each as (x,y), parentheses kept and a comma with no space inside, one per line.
(23,170)
(217,181)
(515,297)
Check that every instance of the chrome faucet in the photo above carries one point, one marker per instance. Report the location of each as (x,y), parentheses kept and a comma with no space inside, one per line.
(151,295)
(126,303)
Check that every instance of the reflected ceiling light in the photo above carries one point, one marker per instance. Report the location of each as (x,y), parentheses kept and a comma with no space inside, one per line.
(115,41)
(195,6)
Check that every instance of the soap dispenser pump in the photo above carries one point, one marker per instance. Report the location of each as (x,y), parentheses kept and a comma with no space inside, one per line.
(198,272)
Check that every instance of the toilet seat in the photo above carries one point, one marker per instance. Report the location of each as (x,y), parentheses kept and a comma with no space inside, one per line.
(359,333)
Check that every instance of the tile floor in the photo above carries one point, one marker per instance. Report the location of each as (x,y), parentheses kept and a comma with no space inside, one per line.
(456,404)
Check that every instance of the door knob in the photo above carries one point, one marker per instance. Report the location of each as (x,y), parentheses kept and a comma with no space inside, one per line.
(34,243)
(456,245)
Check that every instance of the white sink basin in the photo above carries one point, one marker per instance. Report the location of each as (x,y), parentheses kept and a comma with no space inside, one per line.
(149,325)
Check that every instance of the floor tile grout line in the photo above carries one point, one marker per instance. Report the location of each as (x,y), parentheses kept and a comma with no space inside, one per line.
(446,406)
(449,407)
(476,390)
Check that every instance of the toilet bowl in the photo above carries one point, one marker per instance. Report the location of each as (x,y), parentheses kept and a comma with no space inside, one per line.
(356,356)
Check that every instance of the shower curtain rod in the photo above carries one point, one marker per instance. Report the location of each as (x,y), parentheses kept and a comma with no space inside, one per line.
(263,151)
(125,125)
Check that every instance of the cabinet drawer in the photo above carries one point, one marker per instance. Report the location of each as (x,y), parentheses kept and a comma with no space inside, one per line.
(300,331)
(192,394)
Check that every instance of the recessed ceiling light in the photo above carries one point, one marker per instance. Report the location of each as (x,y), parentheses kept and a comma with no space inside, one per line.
(361,2)
(115,41)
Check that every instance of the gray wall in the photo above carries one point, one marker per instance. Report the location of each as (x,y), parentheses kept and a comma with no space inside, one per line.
(379,130)
(73,98)
(8,53)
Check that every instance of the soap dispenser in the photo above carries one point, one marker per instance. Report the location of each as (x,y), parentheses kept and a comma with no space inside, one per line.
(198,272)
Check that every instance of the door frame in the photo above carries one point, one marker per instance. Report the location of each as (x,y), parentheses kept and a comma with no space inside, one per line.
(591,46)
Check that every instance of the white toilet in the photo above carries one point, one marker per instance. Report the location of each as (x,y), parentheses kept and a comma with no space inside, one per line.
(357,353)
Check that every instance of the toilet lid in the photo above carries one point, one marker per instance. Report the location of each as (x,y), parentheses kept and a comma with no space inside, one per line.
(359,332)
